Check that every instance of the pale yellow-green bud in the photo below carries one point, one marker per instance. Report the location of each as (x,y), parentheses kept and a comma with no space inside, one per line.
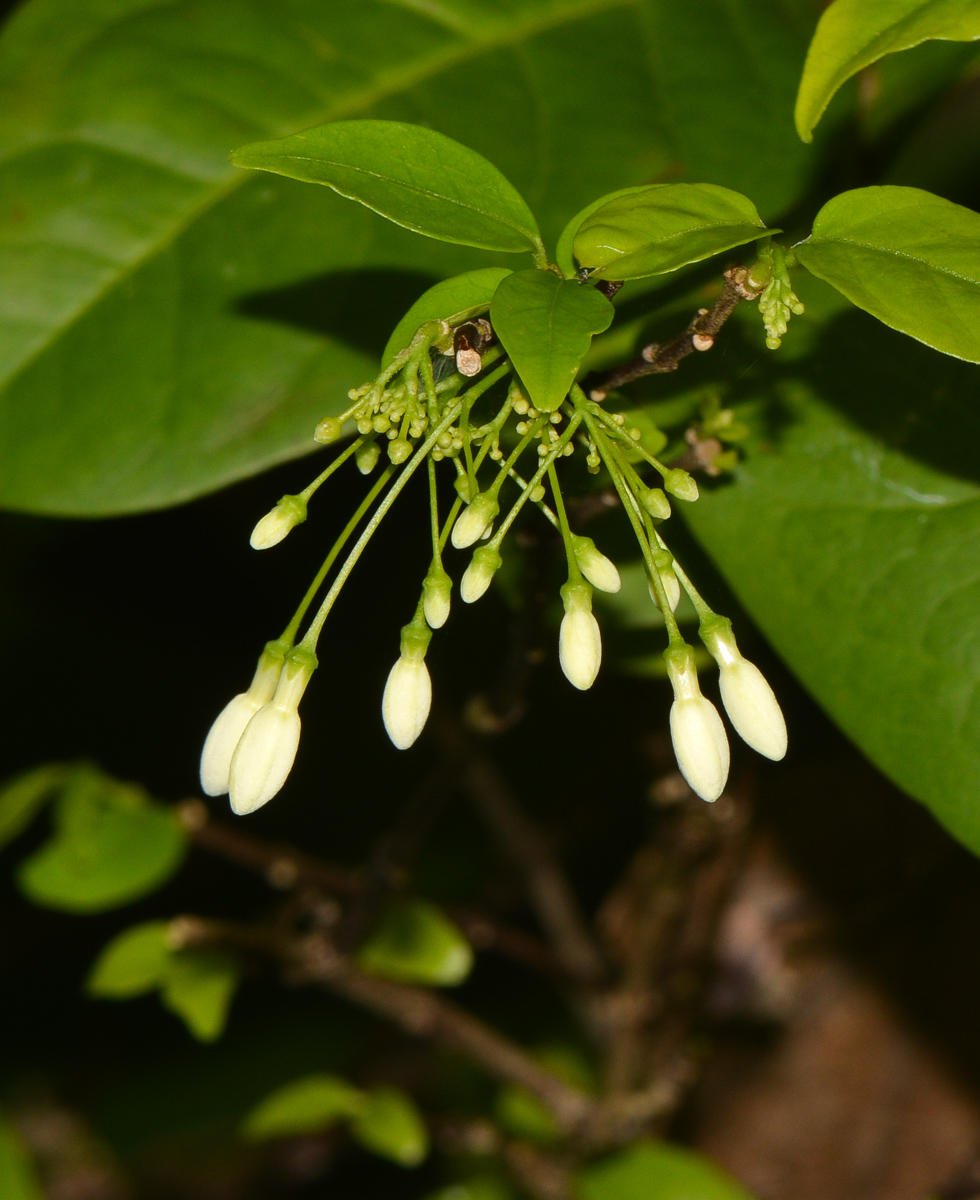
(680,484)
(327,431)
(696,729)
(579,640)
(437,591)
(407,700)
(484,564)
(656,503)
(749,700)
(273,527)
(600,571)
(399,450)
(367,456)
(474,521)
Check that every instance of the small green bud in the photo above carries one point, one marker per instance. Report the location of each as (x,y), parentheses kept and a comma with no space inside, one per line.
(367,457)
(273,527)
(680,484)
(327,431)
(656,503)
(399,450)
(464,488)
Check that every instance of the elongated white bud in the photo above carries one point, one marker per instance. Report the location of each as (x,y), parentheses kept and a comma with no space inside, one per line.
(265,754)
(437,593)
(408,691)
(229,726)
(273,527)
(484,564)
(473,522)
(600,571)
(579,640)
(749,700)
(696,729)
(680,484)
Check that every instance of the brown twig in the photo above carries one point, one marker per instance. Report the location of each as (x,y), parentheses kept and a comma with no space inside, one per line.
(699,335)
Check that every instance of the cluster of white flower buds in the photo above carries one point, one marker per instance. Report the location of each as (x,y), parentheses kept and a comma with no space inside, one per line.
(252,744)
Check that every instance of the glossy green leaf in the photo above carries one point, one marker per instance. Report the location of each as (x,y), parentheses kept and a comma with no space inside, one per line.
(414,176)
(910,258)
(472,289)
(663,228)
(852,34)
(133,963)
(169,323)
(17,1178)
(416,943)
(304,1106)
(564,256)
(111,845)
(546,325)
(658,1171)
(198,988)
(390,1126)
(23,798)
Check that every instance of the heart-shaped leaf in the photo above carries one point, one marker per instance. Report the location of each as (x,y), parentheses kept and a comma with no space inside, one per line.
(414,176)
(306,1105)
(472,289)
(391,1126)
(546,325)
(910,258)
(135,962)
(662,228)
(648,1170)
(111,845)
(198,987)
(852,34)
(416,943)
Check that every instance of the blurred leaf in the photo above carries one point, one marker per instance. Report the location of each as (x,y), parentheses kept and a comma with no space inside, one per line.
(483,1188)
(852,34)
(170,323)
(416,943)
(663,228)
(414,176)
(17,1178)
(111,845)
(305,1106)
(134,962)
(522,1114)
(198,988)
(391,1126)
(546,325)
(910,258)
(657,1171)
(445,299)
(902,83)
(24,797)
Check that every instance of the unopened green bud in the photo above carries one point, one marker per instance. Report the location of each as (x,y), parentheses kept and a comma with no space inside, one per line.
(656,503)
(367,457)
(399,450)
(680,484)
(327,431)
(464,488)
(273,527)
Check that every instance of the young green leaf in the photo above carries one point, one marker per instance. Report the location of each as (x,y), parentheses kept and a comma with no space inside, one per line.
(655,1169)
(133,963)
(472,289)
(17,1178)
(391,1126)
(910,258)
(852,34)
(563,252)
(24,797)
(546,325)
(662,228)
(198,987)
(111,845)
(306,1105)
(416,943)
(414,176)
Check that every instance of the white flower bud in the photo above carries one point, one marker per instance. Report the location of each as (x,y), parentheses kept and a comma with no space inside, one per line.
(671,586)
(273,527)
(264,755)
(407,700)
(473,522)
(484,564)
(680,484)
(579,640)
(598,570)
(749,701)
(695,728)
(229,726)
(437,592)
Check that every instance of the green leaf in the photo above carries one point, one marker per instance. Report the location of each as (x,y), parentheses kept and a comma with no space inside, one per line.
(563,253)
(663,228)
(24,797)
(391,1126)
(304,1106)
(657,1171)
(17,1178)
(198,988)
(852,34)
(416,943)
(111,846)
(172,324)
(910,258)
(445,299)
(546,325)
(133,963)
(414,176)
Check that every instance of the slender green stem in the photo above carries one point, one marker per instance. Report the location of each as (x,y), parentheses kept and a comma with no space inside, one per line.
(615,429)
(450,519)
(522,483)
(557,450)
(434,512)
(704,610)
(338,462)
(574,574)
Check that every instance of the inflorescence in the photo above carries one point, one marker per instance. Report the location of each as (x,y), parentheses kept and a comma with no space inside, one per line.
(435,402)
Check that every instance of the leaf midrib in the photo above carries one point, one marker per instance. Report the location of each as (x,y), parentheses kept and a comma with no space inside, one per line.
(888,250)
(398,80)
